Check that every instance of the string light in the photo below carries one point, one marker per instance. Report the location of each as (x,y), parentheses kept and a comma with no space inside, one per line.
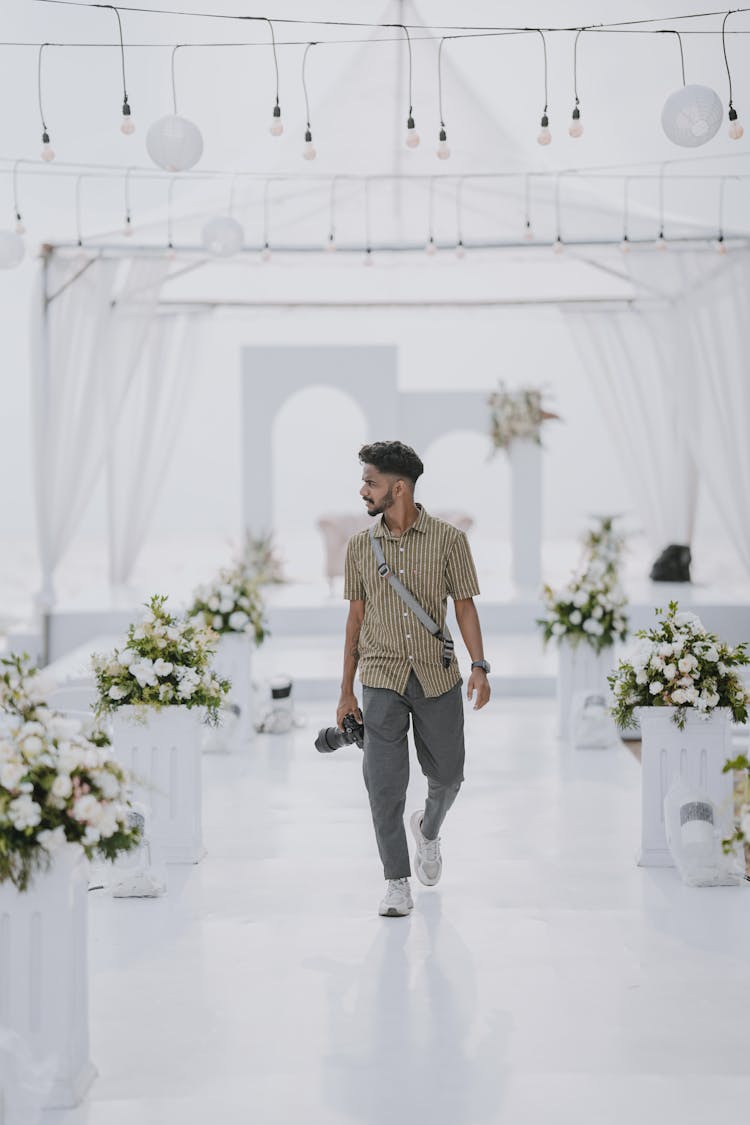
(625,244)
(430,247)
(265,254)
(692,115)
(309,152)
(19,227)
(127,125)
(443,152)
(460,250)
(330,246)
(276,128)
(127,229)
(660,243)
(575,129)
(367,260)
(558,245)
(47,153)
(544,136)
(720,244)
(170,253)
(528,231)
(735,126)
(79,236)
(412,136)
(174,143)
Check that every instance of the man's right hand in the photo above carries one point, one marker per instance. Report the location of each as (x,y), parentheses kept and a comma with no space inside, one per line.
(347,706)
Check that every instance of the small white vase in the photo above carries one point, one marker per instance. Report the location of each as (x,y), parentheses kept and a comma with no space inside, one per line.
(44,974)
(580,669)
(164,755)
(696,755)
(234,661)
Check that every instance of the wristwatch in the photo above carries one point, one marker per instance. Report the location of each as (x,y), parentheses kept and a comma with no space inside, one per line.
(483,664)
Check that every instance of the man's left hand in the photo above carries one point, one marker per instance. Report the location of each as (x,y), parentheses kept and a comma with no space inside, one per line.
(478,683)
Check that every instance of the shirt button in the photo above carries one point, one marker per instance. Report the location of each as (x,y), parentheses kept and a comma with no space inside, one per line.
(408,636)
(406,613)
(411,658)
(401,571)
(401,549)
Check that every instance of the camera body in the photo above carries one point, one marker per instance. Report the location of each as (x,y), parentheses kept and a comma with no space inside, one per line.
(331,738)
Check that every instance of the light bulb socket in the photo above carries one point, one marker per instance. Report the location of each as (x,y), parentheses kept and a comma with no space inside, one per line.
(277,110)
(443,136)
(545,121)
(576,114)
(45,138)
(410,122)
(125,109)
(732,115)
(308,136)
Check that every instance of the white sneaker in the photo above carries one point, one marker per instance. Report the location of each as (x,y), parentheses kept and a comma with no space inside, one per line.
(428,863)
(398,901)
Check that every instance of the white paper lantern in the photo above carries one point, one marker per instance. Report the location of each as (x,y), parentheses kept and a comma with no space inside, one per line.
(174,143)
(12,249)
(223,236)
(692,115)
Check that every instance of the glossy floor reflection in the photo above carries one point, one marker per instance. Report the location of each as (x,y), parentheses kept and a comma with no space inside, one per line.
(546,980)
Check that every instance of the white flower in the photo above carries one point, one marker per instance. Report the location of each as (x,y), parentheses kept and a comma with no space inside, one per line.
(213,603)
(665,649)
(722,668)
(108,783)
(23,812)
(173,633)
(52,839)
(641,678)
(691,694)
(669,671)
(655,687)
(11,774)
(117,692)
(580,598)
(87,808)
(226,592)
(139,633)
(576,617)
(108,821)
(143,672)
(33,744)
(62,786)
(218,622)
(711,653)
(163,667)
(91,835)
(679,696)
(558,629)
(166,692)
(597,612)
(656,662)
(689,621)
(238,620)
(688,663)
(226,605)
(594,628)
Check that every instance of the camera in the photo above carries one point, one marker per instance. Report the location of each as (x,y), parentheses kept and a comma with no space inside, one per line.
(331,738)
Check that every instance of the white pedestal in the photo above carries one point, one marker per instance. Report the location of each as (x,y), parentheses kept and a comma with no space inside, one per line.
(526,515)
(580,669)
(164,754)
(234,661)
(696,754)
(44,973)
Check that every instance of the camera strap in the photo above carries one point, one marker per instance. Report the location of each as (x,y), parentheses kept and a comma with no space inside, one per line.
(408,599)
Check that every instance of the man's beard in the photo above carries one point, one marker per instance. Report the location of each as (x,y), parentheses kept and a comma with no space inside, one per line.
(385,503)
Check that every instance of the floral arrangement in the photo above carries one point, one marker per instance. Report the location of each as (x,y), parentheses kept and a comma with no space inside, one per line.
(591,607)
(260,559)
(59,783)
(166,662)
(678,664)
(232,604)
(516,415)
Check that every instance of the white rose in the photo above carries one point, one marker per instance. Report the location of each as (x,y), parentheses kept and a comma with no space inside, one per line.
(691,694)
(597,612)
(108,823)
(576,617)
(52,838)
(679,696)
(656,663)
(91,835)
(558,629)
(163,667)
(580,598)
(213,603)
(655,687)
(687,664)
(117,692)
(238,620)
(218,622)
(108,784)
(226,605)
(144,673)
(711,653)
(62,786)
(686,620)
(87,808)
(11,774)
(665,650)
(669,671)
(641,678)
(23,812)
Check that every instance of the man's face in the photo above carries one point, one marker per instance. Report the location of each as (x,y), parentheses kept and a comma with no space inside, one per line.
(376,490)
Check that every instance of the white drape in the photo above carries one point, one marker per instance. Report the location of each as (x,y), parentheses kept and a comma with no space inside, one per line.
(143,438)
(83,351)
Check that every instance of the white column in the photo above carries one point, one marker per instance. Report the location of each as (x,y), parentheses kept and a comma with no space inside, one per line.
(44,974)
(580,668)
(164,755)
(696,755)
(526,515)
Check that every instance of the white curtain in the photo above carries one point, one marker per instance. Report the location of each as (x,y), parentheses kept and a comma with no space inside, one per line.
(81,357)
(143,438)
(631,360)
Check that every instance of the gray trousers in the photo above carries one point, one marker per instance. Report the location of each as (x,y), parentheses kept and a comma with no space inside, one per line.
(438,725)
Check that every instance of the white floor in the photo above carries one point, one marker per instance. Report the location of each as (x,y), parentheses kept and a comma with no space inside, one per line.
(546,980)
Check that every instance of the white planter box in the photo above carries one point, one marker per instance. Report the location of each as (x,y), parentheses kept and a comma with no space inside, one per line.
(580,669)
(164,754)
(44,973)
(696,754)
(234,661)
(526,515)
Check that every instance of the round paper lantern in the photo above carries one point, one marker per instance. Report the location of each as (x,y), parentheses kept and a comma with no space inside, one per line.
(223,236)
(692,115)
(174,143)
(12,249)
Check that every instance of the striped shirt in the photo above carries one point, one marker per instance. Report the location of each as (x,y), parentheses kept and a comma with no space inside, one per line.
(433,560)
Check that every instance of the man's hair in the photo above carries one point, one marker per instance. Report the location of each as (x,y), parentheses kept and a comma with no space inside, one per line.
(393,457)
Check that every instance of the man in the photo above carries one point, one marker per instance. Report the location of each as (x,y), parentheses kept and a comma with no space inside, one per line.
(405,670)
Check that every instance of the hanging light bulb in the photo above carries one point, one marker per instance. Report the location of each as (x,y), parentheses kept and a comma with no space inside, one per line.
(430,248)
(367,260)
(720,245)
(575,128)
(735,127)
(47,150)
(127,125)
(170,253)
(460,250)
(330,246)
(660,243)
(265,254)
(625,244)
(443,152)
(276,128)
(558,245)
(412,136)
(545,136)
(309,152)
(174,143)
(528,231)
(127,229)
(20,227)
